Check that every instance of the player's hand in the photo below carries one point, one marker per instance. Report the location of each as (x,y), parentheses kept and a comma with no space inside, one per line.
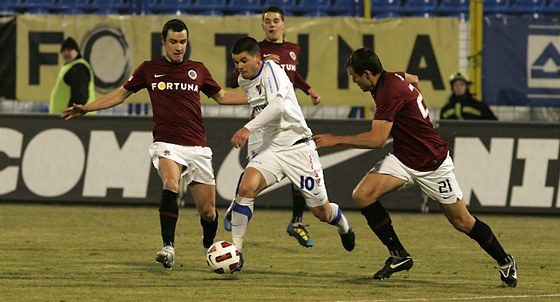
(240,137)
(324,140)
(76,110)
(273,57)
(315,97)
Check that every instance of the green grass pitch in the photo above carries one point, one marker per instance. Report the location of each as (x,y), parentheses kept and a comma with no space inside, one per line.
(104,253)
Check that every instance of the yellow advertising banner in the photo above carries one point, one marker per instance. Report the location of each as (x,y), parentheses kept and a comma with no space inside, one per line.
(116,45)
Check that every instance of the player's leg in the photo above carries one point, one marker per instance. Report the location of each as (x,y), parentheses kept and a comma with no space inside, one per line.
(169,172)
(366,196)
(252,183)
(463,221)
(332,214)
(303,167)
(441,185)
(227,216)
(254,143)
(296,227)
(204,196)
(200,175)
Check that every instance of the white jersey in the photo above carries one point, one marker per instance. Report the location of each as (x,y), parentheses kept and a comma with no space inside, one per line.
(277,112)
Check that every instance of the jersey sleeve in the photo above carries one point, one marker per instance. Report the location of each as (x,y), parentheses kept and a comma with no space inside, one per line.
(209,86)
(138,80)
(388,100)
(272,111)
(300,83)
(233,79)
(274,83)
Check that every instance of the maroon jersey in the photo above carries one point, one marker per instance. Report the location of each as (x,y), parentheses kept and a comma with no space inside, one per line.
(174,90)
(289,55)
(415,141)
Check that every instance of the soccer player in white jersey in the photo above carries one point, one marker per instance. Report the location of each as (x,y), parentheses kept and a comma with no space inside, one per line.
(286,151)
(286,54)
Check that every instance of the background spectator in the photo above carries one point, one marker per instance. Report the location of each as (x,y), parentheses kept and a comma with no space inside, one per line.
(75,82)
(462,105)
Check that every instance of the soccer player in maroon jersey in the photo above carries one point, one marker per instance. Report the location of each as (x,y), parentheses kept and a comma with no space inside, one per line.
(285,54)
(180,148)
(419,156)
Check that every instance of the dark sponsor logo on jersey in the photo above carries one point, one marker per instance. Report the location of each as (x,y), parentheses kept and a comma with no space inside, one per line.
(260,108)
(258,89)
(288,67)
(175,86)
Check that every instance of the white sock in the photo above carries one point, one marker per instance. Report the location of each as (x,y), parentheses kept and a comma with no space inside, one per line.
(338,219)
(240,216)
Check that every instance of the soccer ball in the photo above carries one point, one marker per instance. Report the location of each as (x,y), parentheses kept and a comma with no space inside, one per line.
(222,257)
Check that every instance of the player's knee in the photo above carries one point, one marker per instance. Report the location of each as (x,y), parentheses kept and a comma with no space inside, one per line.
(170,184)
(323,217)
(361,198)
(461,224)
(208,213)
(322,213)
(357,196)
(246,190)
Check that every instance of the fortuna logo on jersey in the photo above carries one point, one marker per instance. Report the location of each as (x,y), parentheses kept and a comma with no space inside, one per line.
(258,88)
(175,86)
(288,67)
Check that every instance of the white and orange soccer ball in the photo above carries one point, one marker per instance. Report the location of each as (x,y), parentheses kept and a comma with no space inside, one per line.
(223,257)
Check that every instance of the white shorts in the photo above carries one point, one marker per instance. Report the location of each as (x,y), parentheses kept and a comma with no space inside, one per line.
(300,164)
(439,185)
(196,160)
(254,143)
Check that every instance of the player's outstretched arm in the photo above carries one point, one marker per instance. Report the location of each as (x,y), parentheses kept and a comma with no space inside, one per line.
(230,98)
(373,139)
(315,97)
(76,110)
(107,101)
(300,83)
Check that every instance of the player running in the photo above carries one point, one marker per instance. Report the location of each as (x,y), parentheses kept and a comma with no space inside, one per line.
(285,54)
(180,148)
(287,150)
(420,157)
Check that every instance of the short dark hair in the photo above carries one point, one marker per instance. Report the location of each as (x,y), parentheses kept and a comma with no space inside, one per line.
(364,59)
(274,9)
(175,25)
(247,44)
